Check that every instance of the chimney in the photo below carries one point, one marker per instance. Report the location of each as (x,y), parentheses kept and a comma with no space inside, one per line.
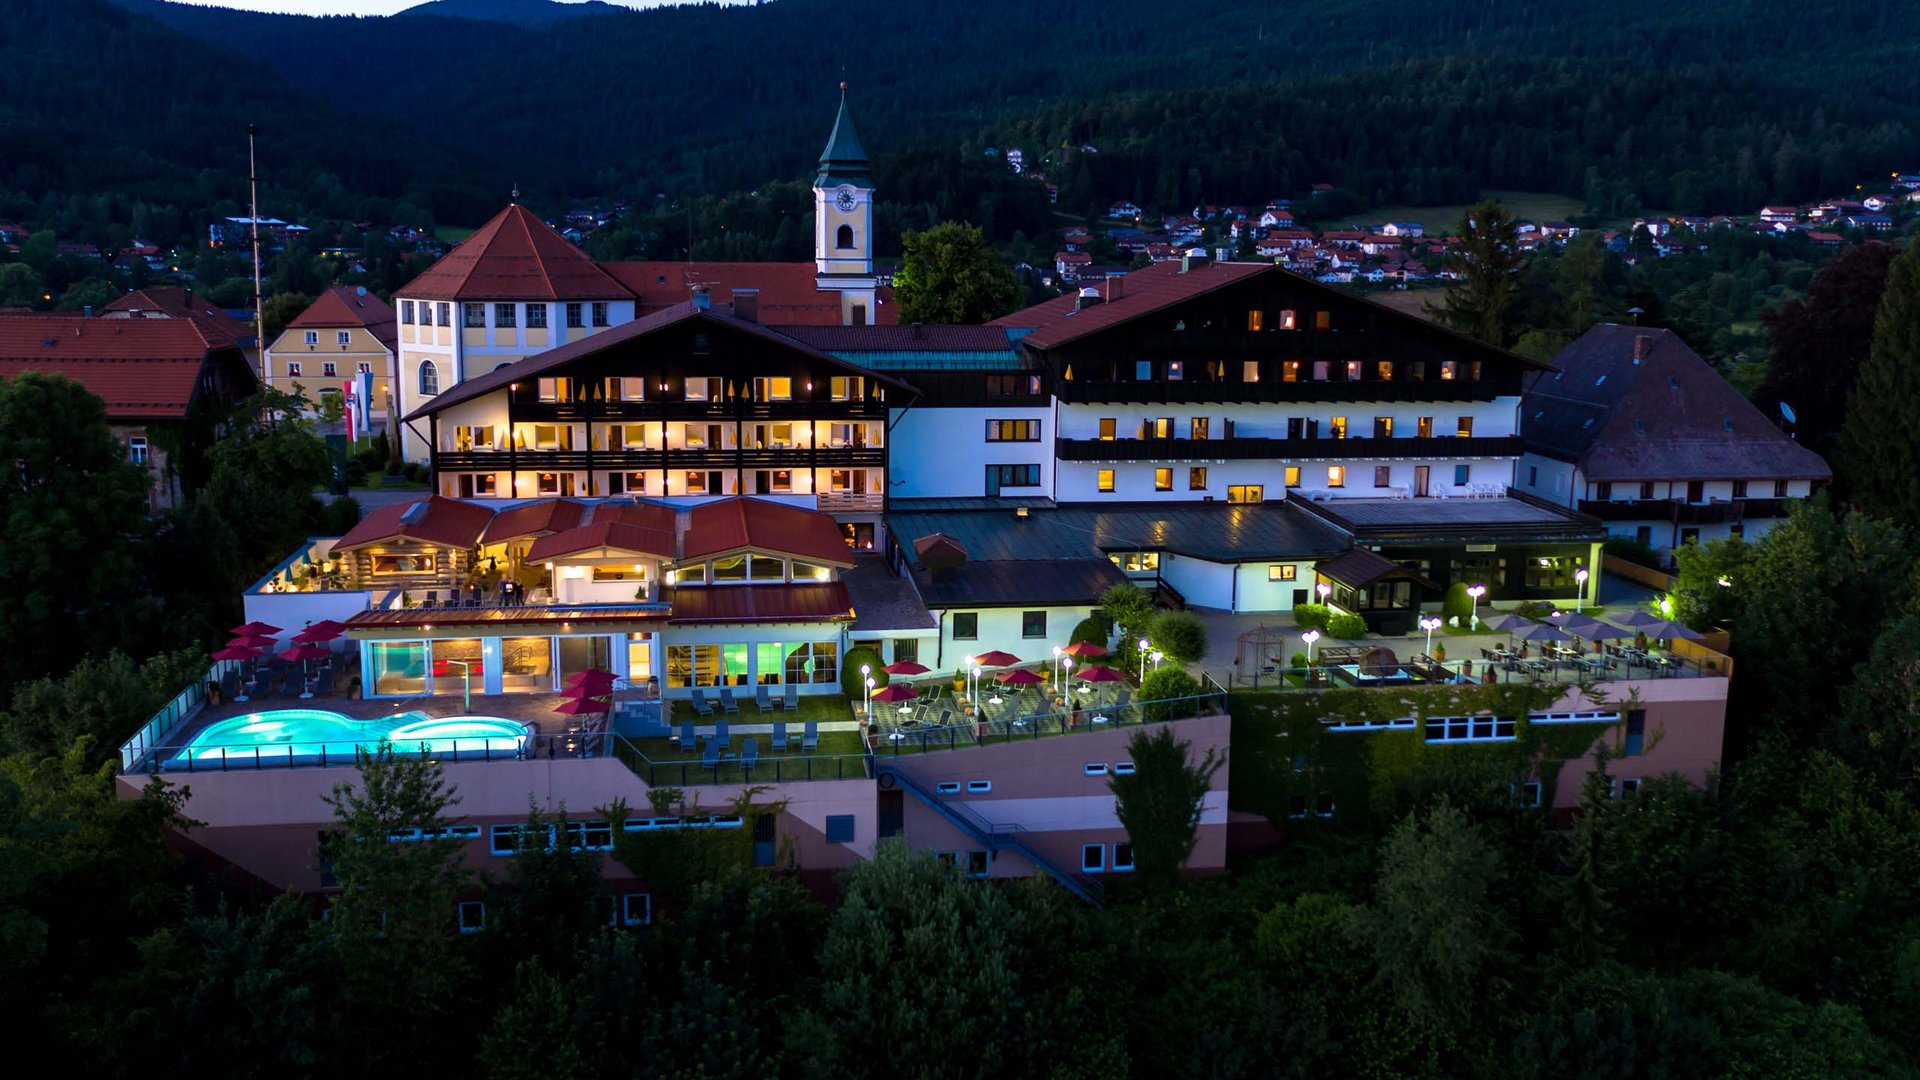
(1194,259)
(1642,344)
(1089,297)
(746,304)
(702,298)
(1116,286)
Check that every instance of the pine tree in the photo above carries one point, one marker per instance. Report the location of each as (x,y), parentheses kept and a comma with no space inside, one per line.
(1481,300)
(1879,452)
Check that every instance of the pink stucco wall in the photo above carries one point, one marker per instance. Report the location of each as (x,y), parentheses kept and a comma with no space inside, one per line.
(1685,732)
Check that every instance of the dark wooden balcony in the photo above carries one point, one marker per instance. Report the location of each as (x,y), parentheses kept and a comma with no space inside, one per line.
(1271,391)
(1246,449)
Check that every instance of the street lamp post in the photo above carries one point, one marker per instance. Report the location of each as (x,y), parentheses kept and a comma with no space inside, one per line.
(1144,646)
(1066,674)
(1580,598)
(1325,590)
(869,699)
(1052,672)
(1430,624)
(1157,657)
(1310,637)
(866,673)
(1473,618)
(976,687)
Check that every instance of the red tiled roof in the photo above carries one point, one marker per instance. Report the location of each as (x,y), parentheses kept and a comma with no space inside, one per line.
(739,523)
(789,292)
(141,368)
(219,329)
(433,520)
(345,306)
(516,256)
(612,534)
(810,602)
(534,519)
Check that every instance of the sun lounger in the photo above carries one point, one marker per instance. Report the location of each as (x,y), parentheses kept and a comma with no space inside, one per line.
(727,702)
(763,698)
(811,739)
(721,735)
(749,756)
(686,735)
(790,698)
(700,702)
(710,758)
(779,741)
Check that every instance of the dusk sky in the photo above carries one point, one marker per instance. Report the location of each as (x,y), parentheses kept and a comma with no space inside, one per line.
(355,7)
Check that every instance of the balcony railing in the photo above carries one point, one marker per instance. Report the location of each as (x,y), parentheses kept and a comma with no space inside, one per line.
(848,502)
(1201,392)
(1681,512)
(1243,449)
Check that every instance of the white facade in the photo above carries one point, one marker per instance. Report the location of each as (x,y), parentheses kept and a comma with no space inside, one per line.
(1662,529)
(944,453)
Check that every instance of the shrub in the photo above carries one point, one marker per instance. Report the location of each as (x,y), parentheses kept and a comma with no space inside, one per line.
(1533,609)
(851,682)
(1095,629)
(395,468)
(1347,626)
(1163,685)
(1129,606)
(356,472)
(1299,660)
(1632,550)
(415,472)
(1311,616)
(1179,634)
(1457,606)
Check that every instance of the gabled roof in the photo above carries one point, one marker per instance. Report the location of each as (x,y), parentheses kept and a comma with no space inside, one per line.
(515,256)
(741,524)
(789,292)
(1670,416)
(1360,567)
(344,307)
(219,329)
(1057,322)
(533,519)
(434,520)
(607,339)
(605,536)
(143,369)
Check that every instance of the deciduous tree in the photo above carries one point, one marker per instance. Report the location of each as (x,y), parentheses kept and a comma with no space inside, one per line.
(1159,804)
(949,276)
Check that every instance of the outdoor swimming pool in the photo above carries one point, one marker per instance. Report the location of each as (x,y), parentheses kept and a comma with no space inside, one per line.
(312,736)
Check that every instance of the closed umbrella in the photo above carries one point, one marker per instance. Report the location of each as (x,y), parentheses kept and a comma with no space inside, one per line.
(996,658)
(903,667)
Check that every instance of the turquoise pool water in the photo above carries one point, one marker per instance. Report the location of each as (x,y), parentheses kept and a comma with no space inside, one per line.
(306,736)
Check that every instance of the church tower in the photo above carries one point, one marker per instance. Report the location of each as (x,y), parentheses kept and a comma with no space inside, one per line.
(843,221)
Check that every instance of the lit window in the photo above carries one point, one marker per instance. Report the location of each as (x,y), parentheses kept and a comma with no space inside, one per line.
(1287,321)
(1336,476)
(1323,320)
(1282,572)
(1163,479)
(1197,478)
(1105,480)
(293,369)
(1256,321)
(1465,428)
(1293,476)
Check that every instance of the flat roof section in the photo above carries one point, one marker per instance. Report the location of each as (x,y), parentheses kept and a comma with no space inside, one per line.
(1509,517)
(1220,532)
(883,600)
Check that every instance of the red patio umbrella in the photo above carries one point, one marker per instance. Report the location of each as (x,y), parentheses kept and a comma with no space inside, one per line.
(905,667)
(581,706)
(314,635)
(254,629)
(895,692)
(304,653)
(237,652)
(1083,649)
(1020,677)
(1101,674)
(328,625)
(251,641)
(592,676)
(587,690)
(996,658)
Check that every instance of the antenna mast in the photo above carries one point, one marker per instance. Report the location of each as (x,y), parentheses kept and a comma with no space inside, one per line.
(259,306)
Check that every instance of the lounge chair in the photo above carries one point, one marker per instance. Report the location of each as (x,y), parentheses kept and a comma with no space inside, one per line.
(710,757)
(727,702)
(721,735)
(779,742)
(946,718)
(749,756)
(262,682)
(763,699)
(432,600)
(229,684)
(323,683)
(811,739)
(700,702)
(790,698)
(687,739)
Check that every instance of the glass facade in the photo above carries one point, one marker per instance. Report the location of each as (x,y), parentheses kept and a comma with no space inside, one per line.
(399,667)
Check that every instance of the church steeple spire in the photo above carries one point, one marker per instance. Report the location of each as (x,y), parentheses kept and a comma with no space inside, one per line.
(844,159)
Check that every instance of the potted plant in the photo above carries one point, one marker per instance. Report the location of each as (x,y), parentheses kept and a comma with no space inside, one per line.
(353,687)
(1440,652)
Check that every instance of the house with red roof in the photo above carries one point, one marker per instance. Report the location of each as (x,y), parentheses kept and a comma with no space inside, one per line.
(517,287)
(344,345)
(166,385)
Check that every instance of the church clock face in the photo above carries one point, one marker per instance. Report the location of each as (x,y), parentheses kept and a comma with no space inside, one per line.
(844,198)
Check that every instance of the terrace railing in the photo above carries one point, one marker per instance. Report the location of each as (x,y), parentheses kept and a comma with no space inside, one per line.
(338,753)
(891,740)
(774,767)
(135,752)
(1682,663)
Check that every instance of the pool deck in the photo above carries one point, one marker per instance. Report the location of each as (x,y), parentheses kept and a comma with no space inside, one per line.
(535,710)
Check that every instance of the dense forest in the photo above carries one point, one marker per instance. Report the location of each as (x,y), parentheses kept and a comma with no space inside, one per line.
(425,120)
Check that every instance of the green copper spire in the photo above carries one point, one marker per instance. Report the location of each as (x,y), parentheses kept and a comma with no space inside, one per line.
(844,160)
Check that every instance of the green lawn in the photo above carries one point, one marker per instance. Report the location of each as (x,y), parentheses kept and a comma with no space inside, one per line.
(1533,205)
(820,708)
